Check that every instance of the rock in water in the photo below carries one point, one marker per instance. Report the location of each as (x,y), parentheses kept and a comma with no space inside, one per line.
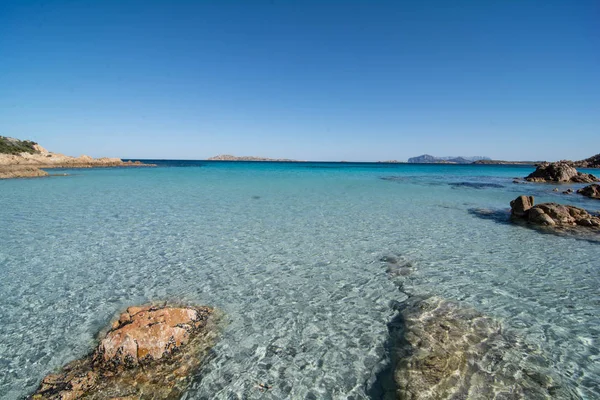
(521,205)
(559,172)
(447,351)
(553,214)
(150,353)
(592,191)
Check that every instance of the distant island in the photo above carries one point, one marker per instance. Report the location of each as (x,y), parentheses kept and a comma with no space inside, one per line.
(429,159)
(229,157)
(27,159)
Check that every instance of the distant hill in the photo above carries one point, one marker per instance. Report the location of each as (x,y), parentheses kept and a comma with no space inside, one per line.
(228,157)
(429,159)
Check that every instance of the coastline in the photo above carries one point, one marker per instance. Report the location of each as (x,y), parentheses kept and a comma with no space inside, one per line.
(33,165)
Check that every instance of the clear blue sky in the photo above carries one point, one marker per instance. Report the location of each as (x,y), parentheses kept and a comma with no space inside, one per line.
(314,80)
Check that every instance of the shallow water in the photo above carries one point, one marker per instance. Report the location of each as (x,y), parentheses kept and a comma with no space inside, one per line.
(290,253)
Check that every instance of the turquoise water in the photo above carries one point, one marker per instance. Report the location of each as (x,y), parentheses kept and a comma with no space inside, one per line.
(290,253)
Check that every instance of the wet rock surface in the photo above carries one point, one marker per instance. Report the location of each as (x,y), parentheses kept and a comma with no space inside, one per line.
(559,172)
(592,191)
(553,215)
(475,185)
(149,353)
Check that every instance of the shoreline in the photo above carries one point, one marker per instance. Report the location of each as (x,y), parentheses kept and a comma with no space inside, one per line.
(35,170)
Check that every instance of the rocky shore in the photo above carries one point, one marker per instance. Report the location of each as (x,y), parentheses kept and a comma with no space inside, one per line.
(561,172)
(150,352)
(33,161)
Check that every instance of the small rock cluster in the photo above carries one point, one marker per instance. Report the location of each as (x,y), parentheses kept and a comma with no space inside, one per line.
(552,214)
(592,191)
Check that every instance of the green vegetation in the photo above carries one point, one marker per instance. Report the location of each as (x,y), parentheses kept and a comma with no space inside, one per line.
(16,146)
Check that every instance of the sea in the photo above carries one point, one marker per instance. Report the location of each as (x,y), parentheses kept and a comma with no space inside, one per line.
(291,255)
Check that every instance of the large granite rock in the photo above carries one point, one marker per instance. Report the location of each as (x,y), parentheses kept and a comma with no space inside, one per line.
(447,351)
(592,191)
(559,172)
(521,205)
(150,352)
(553,214)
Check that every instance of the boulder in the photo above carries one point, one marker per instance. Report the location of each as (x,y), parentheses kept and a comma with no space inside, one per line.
(553,214)
(149,352)
(520,205)
(559,172)
(592,191)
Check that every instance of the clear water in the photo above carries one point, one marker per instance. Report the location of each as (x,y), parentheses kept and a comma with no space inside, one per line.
(290,253)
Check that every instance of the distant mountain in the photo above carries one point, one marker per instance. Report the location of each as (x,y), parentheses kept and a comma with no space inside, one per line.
(429,159)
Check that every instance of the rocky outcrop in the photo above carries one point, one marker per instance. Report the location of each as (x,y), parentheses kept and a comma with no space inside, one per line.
(448,351)
(592,191)
(228,157)
(150,352)
(591,162)
(553,214)
(33,158)
(559,172)
(21,172)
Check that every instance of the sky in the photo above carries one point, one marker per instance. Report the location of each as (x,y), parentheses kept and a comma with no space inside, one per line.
(308,80)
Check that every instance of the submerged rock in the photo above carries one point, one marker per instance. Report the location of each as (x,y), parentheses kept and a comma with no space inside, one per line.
(559,172)
(446,351)
(476,185)
(553,214)
(592,191)
(150,352)
(397,266)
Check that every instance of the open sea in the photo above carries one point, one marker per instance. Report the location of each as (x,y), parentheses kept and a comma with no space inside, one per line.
(290,253)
